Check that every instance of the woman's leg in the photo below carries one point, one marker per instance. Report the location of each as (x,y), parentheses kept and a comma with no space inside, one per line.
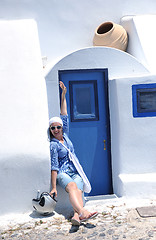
(75,197)
(75,194)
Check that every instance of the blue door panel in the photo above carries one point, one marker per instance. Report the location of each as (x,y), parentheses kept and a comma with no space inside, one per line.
(88,136)
(83,100)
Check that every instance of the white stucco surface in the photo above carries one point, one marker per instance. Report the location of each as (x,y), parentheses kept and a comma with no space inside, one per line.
(119,64)
(67,26)
(24,149)
(123,138)
(132,141)
(142,38)
(64,37)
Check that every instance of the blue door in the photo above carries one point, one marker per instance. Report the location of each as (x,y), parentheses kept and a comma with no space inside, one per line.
(87,101)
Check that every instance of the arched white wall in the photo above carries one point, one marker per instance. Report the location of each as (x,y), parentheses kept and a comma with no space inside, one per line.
(67,26)
(120,65)
(62,30)
(24,149)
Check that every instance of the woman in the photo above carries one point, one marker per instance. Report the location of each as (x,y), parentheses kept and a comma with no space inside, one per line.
(63,170)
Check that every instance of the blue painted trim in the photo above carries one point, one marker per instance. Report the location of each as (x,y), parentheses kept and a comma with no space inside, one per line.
(136,90)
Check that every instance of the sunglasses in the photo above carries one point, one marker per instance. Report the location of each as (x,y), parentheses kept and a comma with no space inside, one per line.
(53,127)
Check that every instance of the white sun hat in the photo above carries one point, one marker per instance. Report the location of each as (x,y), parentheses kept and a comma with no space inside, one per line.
(55,119)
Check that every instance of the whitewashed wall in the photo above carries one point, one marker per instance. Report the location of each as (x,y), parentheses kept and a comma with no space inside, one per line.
(119,64)
(142,38)
(63,27)
(24,149)
(133,141)
(68,25)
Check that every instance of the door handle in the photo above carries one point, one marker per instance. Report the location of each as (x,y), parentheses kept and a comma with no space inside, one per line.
(104,144)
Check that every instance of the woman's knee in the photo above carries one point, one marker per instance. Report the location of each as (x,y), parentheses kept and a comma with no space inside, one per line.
(71,186)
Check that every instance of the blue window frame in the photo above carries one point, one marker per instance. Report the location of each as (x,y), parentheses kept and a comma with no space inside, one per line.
(144,100)
(83,100)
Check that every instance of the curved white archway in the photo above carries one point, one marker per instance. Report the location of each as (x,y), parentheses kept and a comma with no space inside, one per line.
(119,64)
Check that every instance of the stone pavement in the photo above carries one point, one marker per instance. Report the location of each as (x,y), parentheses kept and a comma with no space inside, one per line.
(117,219)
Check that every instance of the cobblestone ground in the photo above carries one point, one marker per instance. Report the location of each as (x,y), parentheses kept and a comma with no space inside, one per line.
(116,220)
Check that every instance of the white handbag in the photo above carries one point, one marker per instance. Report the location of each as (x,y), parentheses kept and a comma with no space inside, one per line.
(87,187)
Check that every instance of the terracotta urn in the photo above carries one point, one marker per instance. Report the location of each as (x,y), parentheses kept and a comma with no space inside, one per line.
(110,34)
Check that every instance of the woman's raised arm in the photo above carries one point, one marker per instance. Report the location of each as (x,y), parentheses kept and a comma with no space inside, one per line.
(63,99)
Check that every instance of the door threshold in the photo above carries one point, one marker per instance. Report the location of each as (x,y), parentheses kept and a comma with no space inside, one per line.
(100,197)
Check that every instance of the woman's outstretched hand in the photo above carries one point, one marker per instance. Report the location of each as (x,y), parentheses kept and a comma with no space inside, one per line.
(63,87)
(63,99)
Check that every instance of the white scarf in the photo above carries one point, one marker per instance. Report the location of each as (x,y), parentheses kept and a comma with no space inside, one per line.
(87,187)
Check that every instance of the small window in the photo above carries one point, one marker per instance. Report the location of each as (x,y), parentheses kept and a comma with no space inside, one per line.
(83,100)
(144,100)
